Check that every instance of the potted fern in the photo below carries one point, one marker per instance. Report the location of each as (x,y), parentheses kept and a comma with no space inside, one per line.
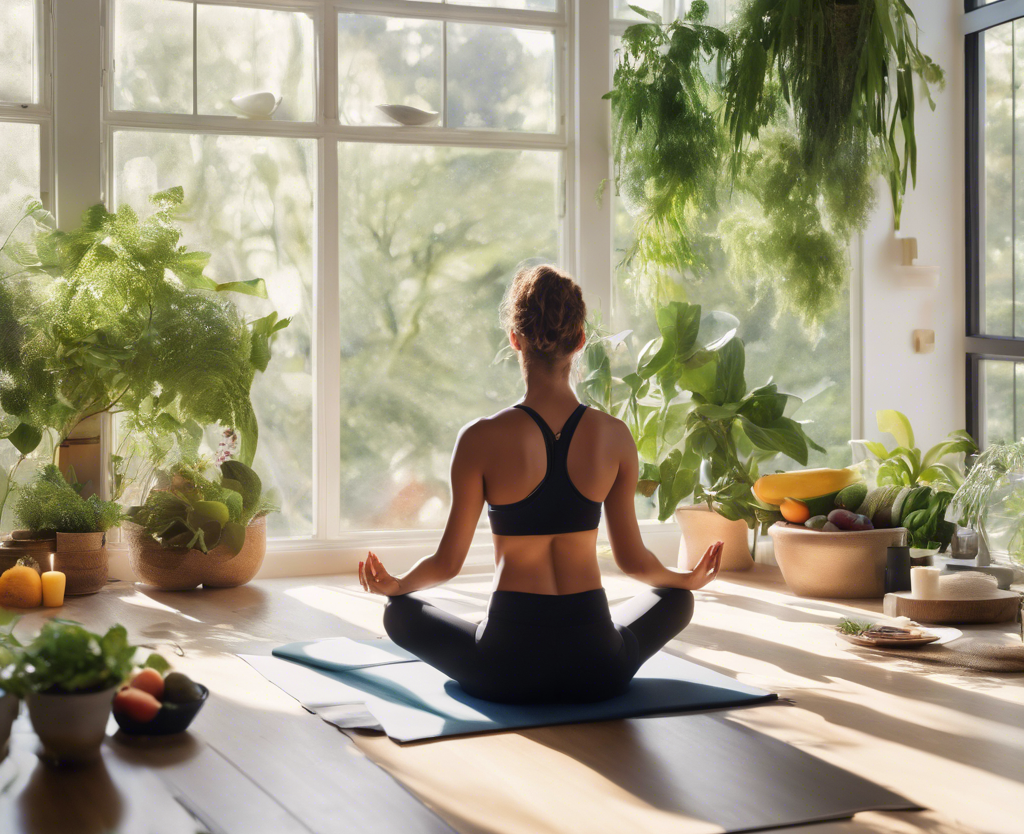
(60,521)
(199,527)
(701,434)
(117,316)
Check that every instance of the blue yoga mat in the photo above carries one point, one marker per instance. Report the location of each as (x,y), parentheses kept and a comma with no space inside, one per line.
(412,701)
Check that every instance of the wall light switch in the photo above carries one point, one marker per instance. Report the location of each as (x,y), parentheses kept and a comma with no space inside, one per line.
(924,341)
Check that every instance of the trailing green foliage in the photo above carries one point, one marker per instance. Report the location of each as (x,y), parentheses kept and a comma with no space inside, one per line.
(52,504)
(189,509)
(667,140)
(813,97)
(845,68)
(699,431)
(65,658)
(117,316)
(905,465)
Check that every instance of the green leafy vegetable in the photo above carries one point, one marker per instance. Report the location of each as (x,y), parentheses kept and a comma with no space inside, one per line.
(65,658)
(852,627)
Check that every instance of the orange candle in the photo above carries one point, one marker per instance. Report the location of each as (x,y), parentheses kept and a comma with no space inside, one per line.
(54,583)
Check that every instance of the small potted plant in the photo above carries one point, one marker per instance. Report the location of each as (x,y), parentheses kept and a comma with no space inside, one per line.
(9,701)
(700,433)
(71,527)
(195,529)
(68,677)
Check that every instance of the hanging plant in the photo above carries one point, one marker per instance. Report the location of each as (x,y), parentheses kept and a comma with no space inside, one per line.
(845,68)
(667,139)
(811,99)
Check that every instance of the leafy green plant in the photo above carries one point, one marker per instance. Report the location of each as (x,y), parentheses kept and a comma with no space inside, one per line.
(668,144)
(65,658)
(117,316)
(906,465)
(52,504)
(10,647)
(997,466)
(807,100)
(846,69)
(190,510)
(853,627)
(699,431)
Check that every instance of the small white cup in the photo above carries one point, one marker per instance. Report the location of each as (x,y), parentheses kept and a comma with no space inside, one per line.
(924,583)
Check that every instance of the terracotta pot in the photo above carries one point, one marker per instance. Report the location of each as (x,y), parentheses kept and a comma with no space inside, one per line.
(82,558)
(71,728)
(177,569)
(26,543)
(845,565)
(702,528)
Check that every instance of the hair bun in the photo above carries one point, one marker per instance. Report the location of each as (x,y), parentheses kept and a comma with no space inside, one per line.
(545,308)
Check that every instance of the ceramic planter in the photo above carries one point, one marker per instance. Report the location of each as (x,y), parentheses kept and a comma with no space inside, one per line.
(702,528)
(8,712)
(177,569)
(71,728)
(82,557)
(844,565)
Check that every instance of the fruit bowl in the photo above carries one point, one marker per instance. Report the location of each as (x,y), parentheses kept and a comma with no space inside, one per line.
(172,718)
(844,565)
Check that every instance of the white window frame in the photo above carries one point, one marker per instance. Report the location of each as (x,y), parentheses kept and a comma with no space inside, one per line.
(39,112)
(82,110)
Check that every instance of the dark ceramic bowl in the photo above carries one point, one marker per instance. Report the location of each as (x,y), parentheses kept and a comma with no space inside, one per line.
(172,718)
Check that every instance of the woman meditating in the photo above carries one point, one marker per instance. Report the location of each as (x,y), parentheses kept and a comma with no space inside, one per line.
(544,467)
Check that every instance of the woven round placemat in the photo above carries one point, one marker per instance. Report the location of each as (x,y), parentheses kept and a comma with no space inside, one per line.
(967,654)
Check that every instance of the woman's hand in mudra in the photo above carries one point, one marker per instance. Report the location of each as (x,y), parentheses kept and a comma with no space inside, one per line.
(375,579)
(705,570)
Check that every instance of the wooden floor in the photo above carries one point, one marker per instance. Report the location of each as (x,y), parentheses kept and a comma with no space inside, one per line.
(256,761)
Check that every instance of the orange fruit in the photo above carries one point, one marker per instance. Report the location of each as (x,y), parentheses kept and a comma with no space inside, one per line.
(151,681)
(136,704)
(794,511)
(21,587)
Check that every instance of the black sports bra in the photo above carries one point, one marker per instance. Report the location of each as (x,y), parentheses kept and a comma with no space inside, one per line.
(555,506)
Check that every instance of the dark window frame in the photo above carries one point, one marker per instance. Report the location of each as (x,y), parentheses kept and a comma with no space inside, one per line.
(978,345)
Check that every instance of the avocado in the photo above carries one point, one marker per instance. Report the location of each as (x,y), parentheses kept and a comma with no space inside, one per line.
(180,689)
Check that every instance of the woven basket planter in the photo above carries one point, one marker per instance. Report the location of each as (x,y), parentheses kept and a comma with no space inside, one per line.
(82,558)
(177,569)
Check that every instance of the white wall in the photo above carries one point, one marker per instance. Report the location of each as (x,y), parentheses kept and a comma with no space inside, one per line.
(928,388)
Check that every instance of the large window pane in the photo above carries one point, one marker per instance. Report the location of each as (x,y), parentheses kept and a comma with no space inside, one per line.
(18,51)
(997,387)
(998,246)
(501,78)
(387,60)
(19,170)
(429,238)
(250,203)
(152,56)
(242,51)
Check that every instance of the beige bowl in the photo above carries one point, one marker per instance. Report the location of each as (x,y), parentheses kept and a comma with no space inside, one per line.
(846,565)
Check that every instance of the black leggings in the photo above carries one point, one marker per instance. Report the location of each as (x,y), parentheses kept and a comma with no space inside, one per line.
(540,648)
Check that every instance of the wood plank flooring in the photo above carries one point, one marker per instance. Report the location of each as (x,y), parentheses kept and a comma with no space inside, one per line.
(256,761)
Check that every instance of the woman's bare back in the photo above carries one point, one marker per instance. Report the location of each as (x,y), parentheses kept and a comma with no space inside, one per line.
(514,462)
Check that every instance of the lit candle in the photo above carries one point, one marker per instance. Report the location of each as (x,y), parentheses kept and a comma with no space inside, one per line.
(924,583)
(53,587)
